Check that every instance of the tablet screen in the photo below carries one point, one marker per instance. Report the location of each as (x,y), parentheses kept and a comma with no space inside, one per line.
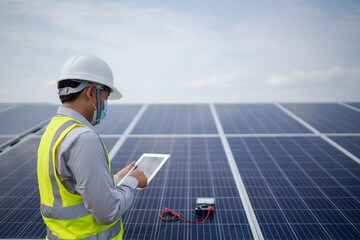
(150,164)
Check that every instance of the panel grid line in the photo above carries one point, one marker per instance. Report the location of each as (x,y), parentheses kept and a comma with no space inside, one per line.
(323,136)
(327,117)
(212,182)
(254,225)
(306,176)
(267,184)
(308,126)
(163,188)
(126,133)
(349,106)
(287,179)
(313,160)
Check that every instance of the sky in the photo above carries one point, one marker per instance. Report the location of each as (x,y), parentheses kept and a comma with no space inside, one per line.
(186,51)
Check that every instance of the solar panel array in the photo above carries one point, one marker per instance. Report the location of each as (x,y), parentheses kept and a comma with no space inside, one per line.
(276,171)
(328,117)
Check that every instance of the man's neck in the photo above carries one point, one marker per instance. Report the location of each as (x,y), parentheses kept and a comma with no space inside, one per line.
(80,109)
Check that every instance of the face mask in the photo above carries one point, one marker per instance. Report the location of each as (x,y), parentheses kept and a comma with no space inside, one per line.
(102,114)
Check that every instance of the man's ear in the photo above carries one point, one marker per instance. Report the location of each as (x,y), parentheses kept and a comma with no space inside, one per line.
(89,92)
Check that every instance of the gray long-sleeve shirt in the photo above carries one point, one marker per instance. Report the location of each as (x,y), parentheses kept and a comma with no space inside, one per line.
(82,167)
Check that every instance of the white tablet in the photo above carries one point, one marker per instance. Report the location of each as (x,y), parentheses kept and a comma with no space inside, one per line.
(150,164)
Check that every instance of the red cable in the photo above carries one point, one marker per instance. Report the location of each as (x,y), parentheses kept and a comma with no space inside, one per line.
(178,215)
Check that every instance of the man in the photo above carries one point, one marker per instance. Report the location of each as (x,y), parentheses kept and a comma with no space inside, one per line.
(79,195)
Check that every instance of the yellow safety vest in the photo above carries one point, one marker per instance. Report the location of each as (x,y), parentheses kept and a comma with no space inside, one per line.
(63,212)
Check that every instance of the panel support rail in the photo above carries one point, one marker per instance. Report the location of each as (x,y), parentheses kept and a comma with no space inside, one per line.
(15,140)
(349,106)
(127,132)
(319,134)
(249,211)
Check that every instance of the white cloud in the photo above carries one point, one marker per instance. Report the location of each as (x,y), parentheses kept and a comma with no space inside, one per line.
(223,81)
(324,76)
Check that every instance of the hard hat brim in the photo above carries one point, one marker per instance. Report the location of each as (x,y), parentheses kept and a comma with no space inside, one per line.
(115,94)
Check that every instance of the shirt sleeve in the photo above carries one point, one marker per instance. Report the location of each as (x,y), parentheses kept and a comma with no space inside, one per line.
(87,160)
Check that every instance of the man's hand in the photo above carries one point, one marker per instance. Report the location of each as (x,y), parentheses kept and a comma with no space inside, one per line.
(139,175)
(121,174)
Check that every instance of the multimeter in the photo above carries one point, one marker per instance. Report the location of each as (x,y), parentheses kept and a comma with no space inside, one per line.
(203,204)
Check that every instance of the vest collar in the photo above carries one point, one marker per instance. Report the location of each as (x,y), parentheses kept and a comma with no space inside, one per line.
(68,112)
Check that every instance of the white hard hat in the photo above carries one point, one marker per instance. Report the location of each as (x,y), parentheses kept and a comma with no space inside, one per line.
(90,68)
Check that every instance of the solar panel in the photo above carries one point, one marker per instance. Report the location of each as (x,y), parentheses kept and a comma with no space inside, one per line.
(5,106)
(350,143)
(300,187)
(197,168)
(109,142)
(19,202)
(327,117)
(117,119)
(354,104)
(256,118)
(176,119)
(21,118)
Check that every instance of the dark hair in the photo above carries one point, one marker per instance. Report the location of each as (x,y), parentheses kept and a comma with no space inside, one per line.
(72,96)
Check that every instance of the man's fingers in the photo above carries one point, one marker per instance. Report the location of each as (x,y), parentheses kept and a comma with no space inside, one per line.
(131,165)
(125,170)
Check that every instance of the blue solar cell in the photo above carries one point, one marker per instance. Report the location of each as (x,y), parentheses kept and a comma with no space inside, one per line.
(290,203)
(21,118)
(196,167)
(277,231)
(234,230)
(262,203)
(299,208)
(327,117)
(256,118)
(350,143)
(309,231)
(342,231)
(176,119)
(353,216)
(117,119)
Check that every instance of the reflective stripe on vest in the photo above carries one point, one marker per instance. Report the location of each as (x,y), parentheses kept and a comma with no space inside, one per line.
(67,218)
(54,184)
(106,234)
